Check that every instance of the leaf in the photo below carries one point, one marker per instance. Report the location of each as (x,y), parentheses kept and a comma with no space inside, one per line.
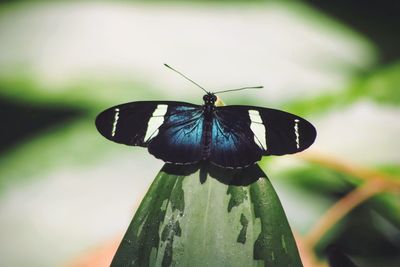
(76,94)
(337,258)
(319,180)
(381,86)
(211,217)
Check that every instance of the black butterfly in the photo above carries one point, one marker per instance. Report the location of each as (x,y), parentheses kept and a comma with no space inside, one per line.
(226,136)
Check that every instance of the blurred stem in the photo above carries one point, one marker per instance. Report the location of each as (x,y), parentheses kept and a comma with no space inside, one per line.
(375,182)
(351,169)
(341,208)
(307,253)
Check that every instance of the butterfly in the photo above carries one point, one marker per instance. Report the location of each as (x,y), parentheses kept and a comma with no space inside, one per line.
(180,133)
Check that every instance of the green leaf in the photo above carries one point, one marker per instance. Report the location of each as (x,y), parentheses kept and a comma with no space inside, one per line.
(77,94)
(319,180)
(191,220)
(381,86)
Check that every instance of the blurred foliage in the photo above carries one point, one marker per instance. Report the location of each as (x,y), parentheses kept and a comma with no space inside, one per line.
(77,95)
(33,119)
(381,86)
(338,259)
(375,224)
(44,150)
(377,20)
(44,122)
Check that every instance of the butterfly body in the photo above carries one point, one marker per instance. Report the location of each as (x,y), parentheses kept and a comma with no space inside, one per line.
(208,113)
(226,136)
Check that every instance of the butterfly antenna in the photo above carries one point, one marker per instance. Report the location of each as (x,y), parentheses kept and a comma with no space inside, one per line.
(190,80)
(238,89)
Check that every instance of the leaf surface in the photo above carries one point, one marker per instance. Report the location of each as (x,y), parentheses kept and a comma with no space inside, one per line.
(190,220)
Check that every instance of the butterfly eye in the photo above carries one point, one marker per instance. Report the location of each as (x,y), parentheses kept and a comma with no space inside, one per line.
(205,97)
(214,98)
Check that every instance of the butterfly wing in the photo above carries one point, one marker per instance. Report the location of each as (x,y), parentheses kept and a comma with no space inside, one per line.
(285,133)
(173,131)
(242,134)
(170,130)
(232,144)
(179,140)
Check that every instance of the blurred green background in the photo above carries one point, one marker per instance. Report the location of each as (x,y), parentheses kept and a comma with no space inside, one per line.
(64,189)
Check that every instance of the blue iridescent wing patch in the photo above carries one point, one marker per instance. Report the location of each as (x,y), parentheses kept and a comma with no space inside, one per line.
(180,135)
(232,140)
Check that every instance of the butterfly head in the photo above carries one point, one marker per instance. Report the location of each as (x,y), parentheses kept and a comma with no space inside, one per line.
(209,99)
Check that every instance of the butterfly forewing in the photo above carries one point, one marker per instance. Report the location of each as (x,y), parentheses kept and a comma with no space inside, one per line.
(274,132)
(136,123)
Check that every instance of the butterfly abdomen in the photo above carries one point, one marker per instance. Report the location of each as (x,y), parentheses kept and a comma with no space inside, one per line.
(206,139)
(208,111)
